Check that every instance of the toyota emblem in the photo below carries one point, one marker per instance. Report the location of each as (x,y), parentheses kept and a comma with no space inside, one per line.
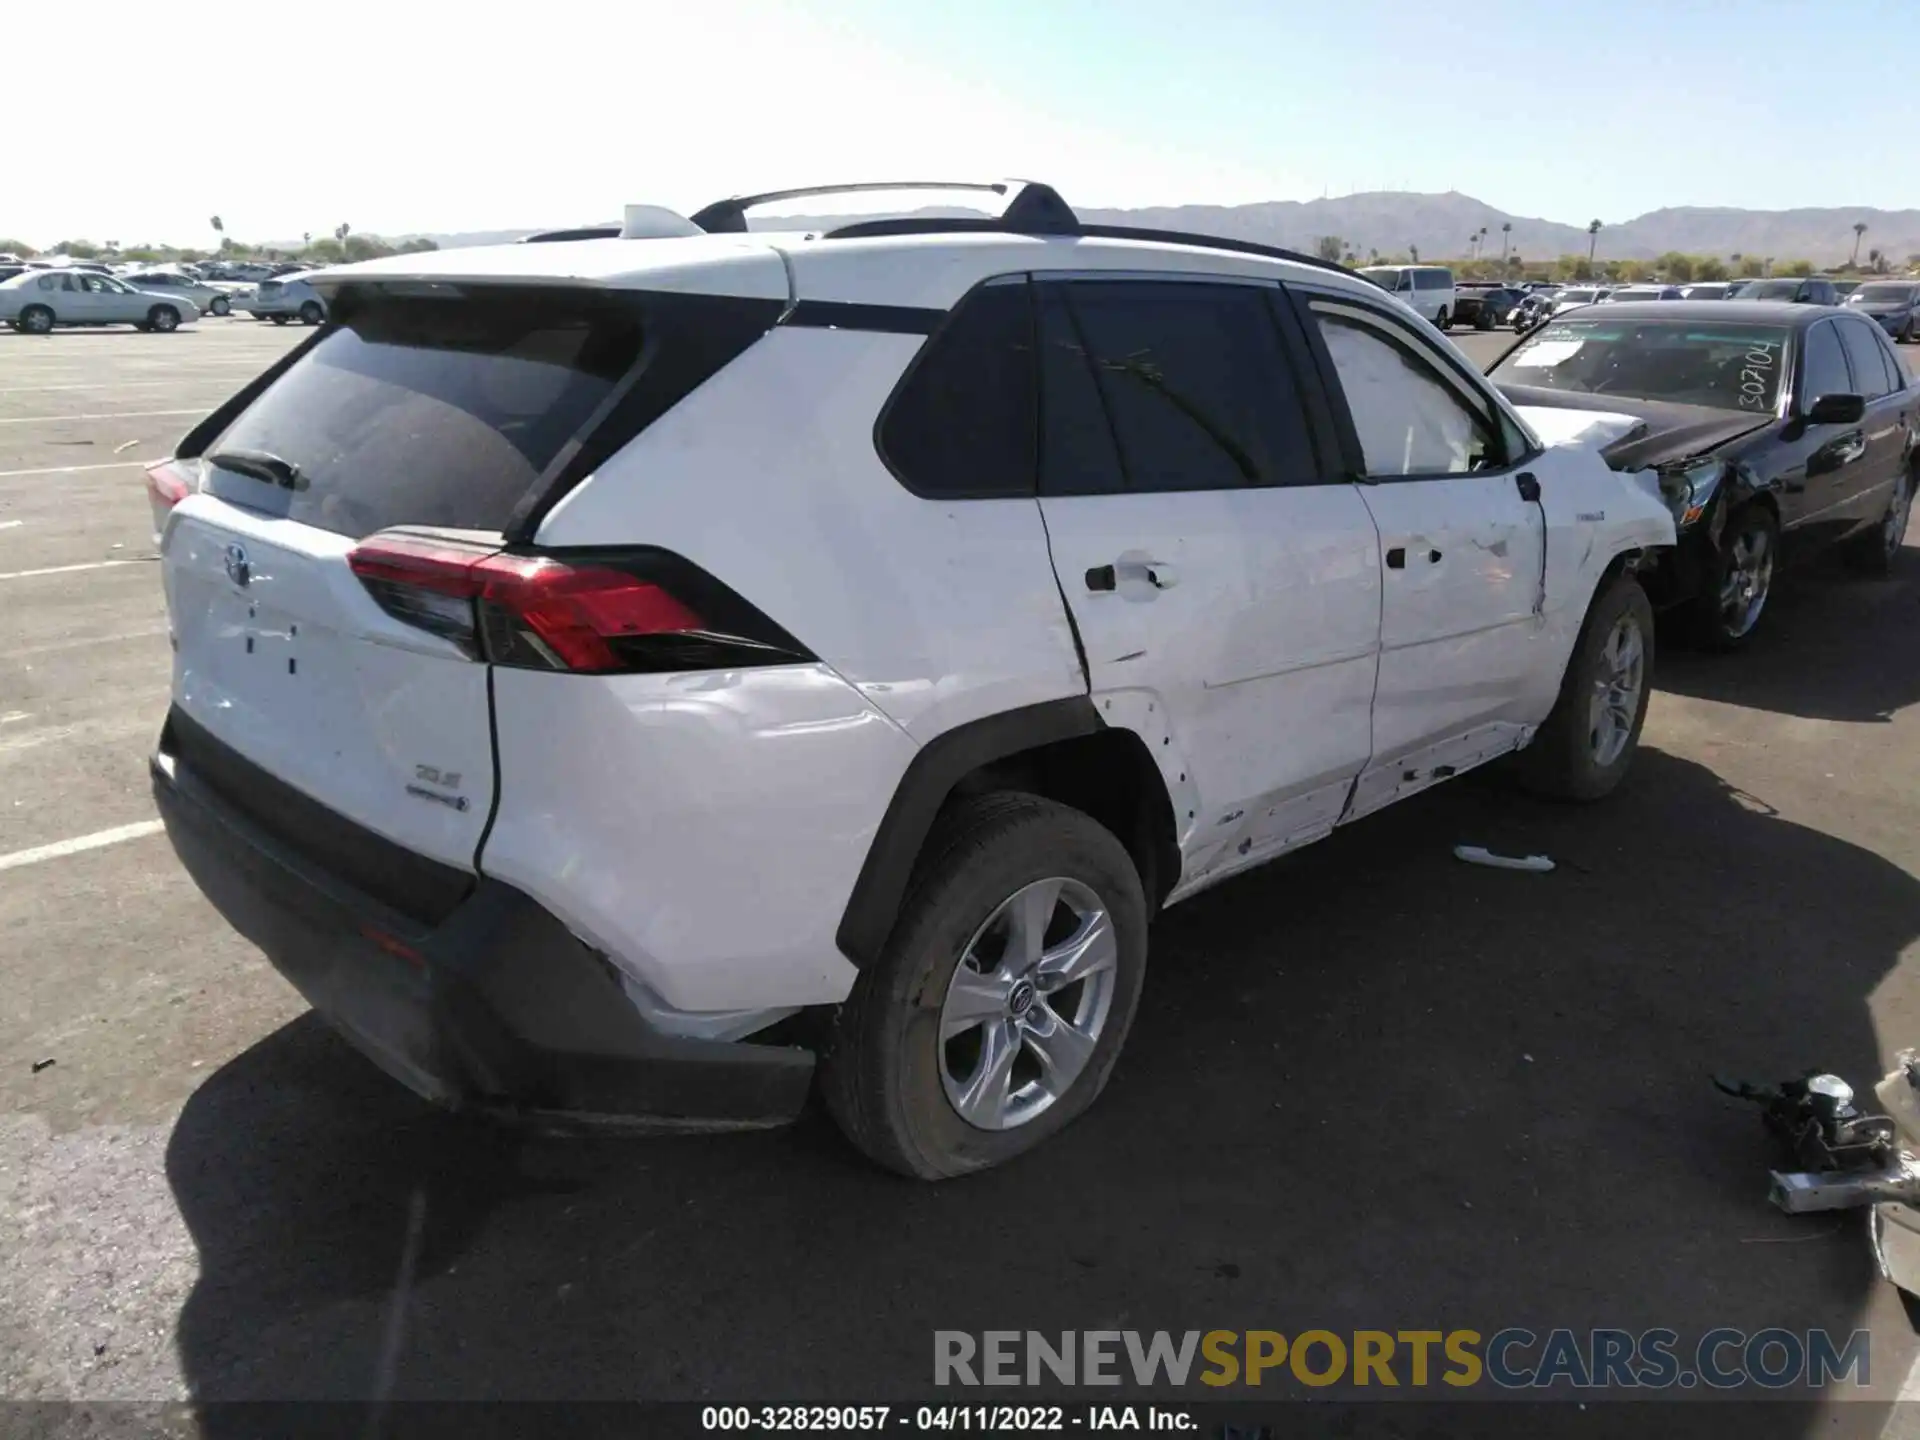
(238,570)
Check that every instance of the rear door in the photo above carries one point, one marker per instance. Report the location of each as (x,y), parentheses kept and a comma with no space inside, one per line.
(1224,585)
(1461,639)
(1885,426)
(432,412)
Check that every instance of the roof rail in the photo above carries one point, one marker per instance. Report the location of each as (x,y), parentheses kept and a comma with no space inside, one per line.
(1032,207)
(584,232)
(1004,226)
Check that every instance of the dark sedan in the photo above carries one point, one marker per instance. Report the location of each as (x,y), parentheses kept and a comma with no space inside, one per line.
(1893,305)
(1485,306)
(1776,430)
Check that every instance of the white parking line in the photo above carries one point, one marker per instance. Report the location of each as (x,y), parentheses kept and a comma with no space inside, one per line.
(108,415)
(75,469)
(65,569)
(80,843)
(11,524)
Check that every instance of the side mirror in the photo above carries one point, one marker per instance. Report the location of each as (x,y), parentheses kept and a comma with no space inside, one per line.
(1837,410)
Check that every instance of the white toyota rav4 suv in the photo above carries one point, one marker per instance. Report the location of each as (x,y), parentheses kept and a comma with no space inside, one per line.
(616,679)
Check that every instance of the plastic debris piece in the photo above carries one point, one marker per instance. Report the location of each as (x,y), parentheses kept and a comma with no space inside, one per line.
(1480,855)
(40,1065)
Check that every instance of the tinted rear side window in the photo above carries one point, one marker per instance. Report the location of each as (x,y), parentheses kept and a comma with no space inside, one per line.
(440,411)
(1196,384)
(962,425)
(1863,355)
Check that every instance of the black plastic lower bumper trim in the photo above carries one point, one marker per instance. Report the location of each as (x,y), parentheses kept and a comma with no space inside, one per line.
(498,1007)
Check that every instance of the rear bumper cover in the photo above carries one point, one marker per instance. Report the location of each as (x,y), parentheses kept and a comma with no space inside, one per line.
(495,1007)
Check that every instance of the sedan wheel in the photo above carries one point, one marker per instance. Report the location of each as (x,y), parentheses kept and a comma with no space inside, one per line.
(221,305)
(163,318)
(1873,552)
(36,320)
(1727,617)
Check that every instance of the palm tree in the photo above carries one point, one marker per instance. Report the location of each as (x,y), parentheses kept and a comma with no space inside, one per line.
(1593,239)
(1414,251)
(1506,238)
(1859,229)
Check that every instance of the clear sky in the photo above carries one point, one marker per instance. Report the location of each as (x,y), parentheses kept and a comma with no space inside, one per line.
(401,115)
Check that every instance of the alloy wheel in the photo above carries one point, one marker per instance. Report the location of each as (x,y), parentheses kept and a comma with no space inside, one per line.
(1747,582)
(1894,527)
(1027,1003)
(1617,683)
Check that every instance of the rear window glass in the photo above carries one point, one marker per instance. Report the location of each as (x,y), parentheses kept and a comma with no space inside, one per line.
(441,411)
(963,423)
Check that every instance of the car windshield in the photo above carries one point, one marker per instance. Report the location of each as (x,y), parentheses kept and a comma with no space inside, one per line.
(1727,367)
(1884,294)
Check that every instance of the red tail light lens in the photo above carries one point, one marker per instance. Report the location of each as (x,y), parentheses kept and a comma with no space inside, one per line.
(643,610)
(168,483)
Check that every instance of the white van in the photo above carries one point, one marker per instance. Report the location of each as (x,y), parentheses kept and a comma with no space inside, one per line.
(1428,289)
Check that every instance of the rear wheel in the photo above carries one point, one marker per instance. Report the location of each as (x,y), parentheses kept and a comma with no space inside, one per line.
(995,1013)
(163,318)
(1727,615)
(36,320)
(1873,551)
(310,313)
(1910,333)
(1587,744)
(278,319)
(1443,320)
(221,305)
(1484,320)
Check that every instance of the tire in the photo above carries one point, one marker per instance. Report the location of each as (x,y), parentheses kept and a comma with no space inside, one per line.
(1444,321)
(221,305)
(1873,552)
(1567,759)
(310,313)
(278,319)
(163,318)
(1484,320)
(1910,333)
(890,1082)
(1713,619)
(36,320)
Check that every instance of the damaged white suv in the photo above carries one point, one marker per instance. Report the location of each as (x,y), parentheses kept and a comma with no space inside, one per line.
(616,679)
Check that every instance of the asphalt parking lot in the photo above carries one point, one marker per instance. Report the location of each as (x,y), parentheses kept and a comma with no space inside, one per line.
(1370,1087)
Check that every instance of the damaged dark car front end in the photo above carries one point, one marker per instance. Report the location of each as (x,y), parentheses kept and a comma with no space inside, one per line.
(1775,430)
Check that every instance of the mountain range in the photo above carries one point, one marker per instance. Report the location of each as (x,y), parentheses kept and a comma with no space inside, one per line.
(1390,221)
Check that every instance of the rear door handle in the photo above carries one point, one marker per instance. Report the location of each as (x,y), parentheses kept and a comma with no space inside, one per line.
(1100,577)
(1397,556)
(1156,573)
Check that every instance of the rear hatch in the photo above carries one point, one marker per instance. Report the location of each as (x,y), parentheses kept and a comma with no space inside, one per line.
(438,413)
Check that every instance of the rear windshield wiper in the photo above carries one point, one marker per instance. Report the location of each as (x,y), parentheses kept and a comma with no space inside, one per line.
(260,465)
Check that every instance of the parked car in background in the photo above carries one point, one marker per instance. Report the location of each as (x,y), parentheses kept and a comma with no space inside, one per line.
(1708,290)
(1893,305)
(649,747)
(36,301)
(1484,306)
(1810,290)
(207,298)
(7,272)
(1844,288)
(285,300)
(1642,292)
(1572,297)
(1777,430)
(1533,309)
(1426,289)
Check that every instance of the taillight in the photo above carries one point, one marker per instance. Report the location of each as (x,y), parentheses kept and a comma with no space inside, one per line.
(169,482)
(599,613)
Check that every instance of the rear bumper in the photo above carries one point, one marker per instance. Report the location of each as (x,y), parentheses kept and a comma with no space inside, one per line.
(494,1007)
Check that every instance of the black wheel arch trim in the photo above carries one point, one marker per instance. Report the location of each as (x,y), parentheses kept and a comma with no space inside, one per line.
(930,779)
